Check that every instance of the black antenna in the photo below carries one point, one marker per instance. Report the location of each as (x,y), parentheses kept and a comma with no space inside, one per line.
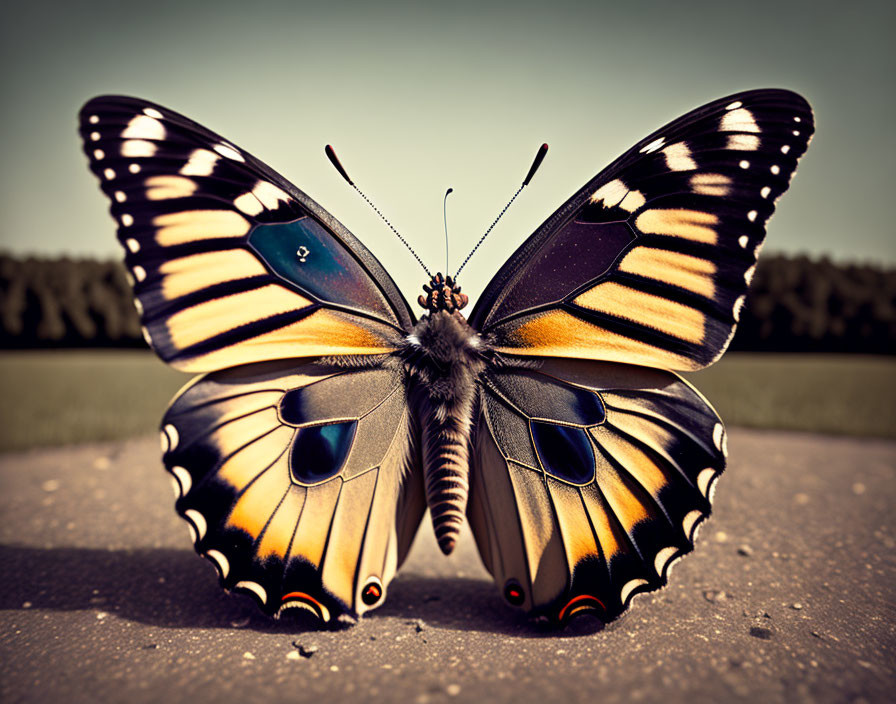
(445,220)
(331,155)
(539,157)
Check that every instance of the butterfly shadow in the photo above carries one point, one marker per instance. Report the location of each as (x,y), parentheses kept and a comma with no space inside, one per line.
(173,589)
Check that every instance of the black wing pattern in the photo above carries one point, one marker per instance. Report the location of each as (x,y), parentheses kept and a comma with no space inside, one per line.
(231,263)
(650,261)
(588,480)
(300,482)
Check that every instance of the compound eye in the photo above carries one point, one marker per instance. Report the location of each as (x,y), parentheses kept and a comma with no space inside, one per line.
(372,592)
(514,593)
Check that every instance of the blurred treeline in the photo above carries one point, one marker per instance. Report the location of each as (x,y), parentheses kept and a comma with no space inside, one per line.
(796,304)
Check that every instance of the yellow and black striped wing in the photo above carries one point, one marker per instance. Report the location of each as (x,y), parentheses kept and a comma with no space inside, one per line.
(650,261)
(231,263)
(300,482)
(588,480)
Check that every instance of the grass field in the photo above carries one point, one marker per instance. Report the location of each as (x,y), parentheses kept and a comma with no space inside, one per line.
(64,397)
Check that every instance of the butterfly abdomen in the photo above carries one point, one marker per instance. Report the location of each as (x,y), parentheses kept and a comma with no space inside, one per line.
(443,359)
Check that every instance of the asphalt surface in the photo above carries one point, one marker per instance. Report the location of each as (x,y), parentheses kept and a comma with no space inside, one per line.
(789,596)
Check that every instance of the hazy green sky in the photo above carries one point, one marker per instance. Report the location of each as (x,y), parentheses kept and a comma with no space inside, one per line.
(419,97)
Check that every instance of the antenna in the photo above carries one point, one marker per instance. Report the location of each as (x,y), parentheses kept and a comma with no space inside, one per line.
(539,157)
(331,155)
(445,220)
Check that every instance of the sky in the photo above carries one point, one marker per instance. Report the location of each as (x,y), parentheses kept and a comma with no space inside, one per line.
(418,97)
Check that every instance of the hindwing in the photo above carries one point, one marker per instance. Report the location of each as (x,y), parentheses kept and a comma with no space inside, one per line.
(588,479)
(231,263)
(650,261)
(300,482)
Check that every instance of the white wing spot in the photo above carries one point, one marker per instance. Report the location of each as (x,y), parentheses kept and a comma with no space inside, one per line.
(95,136)
(134,168)
(98,154)
(717,435)
(743,240)
(248,204)
(198,520)
(744,164)
(629,588)
(688,523)
(146,336)
(144,127)
(775,169)
(797,119)
(738,307)
(748,274)
(678,157)
(184,480)
(743,142)
(751,216)
(133,245)
(765,191)
(632,201)
(172,434)
(610,193)
(120,196)
(785,149)
(127,220)
(137,147)
(739,120)
(229,152)
(269,195)
(734,106)
(704,479)
(662,559)
(653,146)
(796,133)
(255,588)
(93,119)
(138,306)
(152,112)
(139,273)
(200,163)
(220,561)
(109,174)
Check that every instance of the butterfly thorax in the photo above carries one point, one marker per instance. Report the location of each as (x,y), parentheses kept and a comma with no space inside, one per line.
(443,358)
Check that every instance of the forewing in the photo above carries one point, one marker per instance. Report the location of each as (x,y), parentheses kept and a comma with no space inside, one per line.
(588,479)
(231,263)
(650,261)
(299,482)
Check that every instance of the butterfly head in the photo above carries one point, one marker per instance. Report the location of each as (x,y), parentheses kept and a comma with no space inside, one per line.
(442,293)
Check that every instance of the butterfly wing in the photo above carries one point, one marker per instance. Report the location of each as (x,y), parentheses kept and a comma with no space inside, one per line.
(650,261)
(231,263)
(300,482)
(588,480)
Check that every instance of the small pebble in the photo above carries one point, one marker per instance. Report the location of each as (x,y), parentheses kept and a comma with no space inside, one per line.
(248,656)
(745,550)
(100,615)
(334,668)
(27,605)
(714,596)
(858,488)
(721,536)
(50,485)
(306,651)
(150,646)
(452,690)
(761,633)
(796,606)
(293,655)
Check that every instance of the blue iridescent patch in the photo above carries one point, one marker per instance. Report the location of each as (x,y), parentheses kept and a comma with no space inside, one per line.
(305,255)
(565,452)
(320,451)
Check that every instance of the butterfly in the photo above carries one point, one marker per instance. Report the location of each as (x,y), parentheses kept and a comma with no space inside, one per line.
(327,417)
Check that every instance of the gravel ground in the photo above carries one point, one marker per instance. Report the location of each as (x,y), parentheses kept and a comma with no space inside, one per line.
(790,596)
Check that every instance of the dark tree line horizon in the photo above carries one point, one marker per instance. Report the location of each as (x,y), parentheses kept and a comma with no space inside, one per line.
(796,304)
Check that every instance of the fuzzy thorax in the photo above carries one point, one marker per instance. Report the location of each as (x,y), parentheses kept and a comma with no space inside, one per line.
(443,358)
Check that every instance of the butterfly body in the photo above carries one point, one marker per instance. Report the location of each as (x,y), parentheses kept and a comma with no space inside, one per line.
(327,417)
